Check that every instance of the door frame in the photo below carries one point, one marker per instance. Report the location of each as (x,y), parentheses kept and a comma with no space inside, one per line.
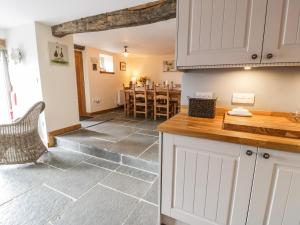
(80,83)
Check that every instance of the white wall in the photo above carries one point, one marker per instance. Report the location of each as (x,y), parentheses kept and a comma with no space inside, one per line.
(276,89)
(3,34)
(25,77)
(100,85)
(58,82)
(152,67)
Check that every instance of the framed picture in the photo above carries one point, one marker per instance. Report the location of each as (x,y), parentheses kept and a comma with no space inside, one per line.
(169,66)
(123,66)
(58,53)
(94,67)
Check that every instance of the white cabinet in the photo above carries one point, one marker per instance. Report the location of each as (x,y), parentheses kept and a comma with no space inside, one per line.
(276,189)
(282,32)
(236,32)
(220,32)
(206,182)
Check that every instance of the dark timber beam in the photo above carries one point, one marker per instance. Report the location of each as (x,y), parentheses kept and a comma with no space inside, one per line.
(140,15)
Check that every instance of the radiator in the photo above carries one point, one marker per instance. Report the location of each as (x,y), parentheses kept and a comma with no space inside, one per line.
(120,97)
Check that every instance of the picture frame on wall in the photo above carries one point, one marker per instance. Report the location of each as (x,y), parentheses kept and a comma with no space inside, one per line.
(58,53)
(169,66)
(123,66)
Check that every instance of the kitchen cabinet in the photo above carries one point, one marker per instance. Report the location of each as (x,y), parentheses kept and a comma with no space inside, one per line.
(275,197)
(206,182)
(237,32)
(282,32)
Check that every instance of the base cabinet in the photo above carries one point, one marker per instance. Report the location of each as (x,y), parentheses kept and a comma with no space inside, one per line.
(276,189)
(207,182)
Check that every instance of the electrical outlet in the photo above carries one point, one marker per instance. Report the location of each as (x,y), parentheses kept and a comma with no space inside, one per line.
(243,98)
(208,95)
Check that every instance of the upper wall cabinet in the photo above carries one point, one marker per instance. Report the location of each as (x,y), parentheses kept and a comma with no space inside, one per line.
(282,32)
(234,32)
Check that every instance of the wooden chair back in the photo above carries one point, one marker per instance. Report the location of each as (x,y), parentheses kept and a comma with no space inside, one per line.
(161,102)
(140,100)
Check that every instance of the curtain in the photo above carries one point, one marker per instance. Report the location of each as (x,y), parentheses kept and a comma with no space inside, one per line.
(5,89)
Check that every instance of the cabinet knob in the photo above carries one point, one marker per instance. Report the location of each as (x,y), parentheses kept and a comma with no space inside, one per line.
(269,56)
(249,152)
(254,56)
(266,155)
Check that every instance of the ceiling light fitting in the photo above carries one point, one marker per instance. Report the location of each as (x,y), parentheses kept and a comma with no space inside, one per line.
(125,53)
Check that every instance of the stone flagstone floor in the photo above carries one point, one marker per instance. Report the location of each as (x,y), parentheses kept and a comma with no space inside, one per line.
(74,185)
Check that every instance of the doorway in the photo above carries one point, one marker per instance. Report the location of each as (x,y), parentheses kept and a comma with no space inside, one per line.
(80,84)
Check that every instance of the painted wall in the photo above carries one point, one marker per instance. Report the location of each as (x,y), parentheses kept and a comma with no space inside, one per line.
(58,82)
(152,66)
(276,89)
(25,77)
(3,34)
(103,86)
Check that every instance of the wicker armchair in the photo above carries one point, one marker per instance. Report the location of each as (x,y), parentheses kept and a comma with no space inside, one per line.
(20,141)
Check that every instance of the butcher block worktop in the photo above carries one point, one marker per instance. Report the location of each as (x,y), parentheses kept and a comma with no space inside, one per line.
(182,124)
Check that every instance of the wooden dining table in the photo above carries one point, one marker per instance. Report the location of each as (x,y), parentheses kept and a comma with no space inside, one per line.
(174,93)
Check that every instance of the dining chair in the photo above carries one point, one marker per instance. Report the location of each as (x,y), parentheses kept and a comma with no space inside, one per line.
(162,106)
(128,101)
(140,101)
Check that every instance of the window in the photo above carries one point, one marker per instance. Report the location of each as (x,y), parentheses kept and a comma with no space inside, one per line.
(106,63)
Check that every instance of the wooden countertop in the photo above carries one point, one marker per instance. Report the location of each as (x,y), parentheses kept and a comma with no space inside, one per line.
(182,124)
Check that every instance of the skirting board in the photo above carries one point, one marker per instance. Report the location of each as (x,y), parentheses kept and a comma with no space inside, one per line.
(52,134)
(102,111)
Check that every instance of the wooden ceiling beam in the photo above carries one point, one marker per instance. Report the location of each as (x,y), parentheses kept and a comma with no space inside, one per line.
(139,15)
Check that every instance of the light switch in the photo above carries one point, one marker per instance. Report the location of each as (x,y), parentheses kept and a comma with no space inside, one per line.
(243,98)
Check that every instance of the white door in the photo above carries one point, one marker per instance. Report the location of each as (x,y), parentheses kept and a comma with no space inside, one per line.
(282,32)
(206,182)
(276,189)
(220,32)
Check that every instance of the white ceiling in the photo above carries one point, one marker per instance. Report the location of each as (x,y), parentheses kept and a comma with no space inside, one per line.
(18,12)
(152,39)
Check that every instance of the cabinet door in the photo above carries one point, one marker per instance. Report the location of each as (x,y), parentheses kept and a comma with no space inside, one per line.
(219,32)
(282,32)
(206,182)
(276,190)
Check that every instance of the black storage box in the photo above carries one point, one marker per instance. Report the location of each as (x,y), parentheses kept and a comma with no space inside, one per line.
(200,107)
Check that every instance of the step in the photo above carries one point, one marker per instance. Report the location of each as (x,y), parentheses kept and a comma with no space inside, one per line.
(100,151)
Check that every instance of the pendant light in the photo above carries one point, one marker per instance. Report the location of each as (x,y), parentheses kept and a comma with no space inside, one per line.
(125,53)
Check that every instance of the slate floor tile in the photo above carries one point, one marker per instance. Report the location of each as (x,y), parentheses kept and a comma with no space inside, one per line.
(100,206)
(79,135)
(144,214)
(126,184)
(61,158)
(140,174)
(36,207)
(133,145)
(148,132)
(149,124)
(111,132)
(152,154)
(152,194)
(78,180)
(141,164)
(89,123)
(103,163)
(16,180)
